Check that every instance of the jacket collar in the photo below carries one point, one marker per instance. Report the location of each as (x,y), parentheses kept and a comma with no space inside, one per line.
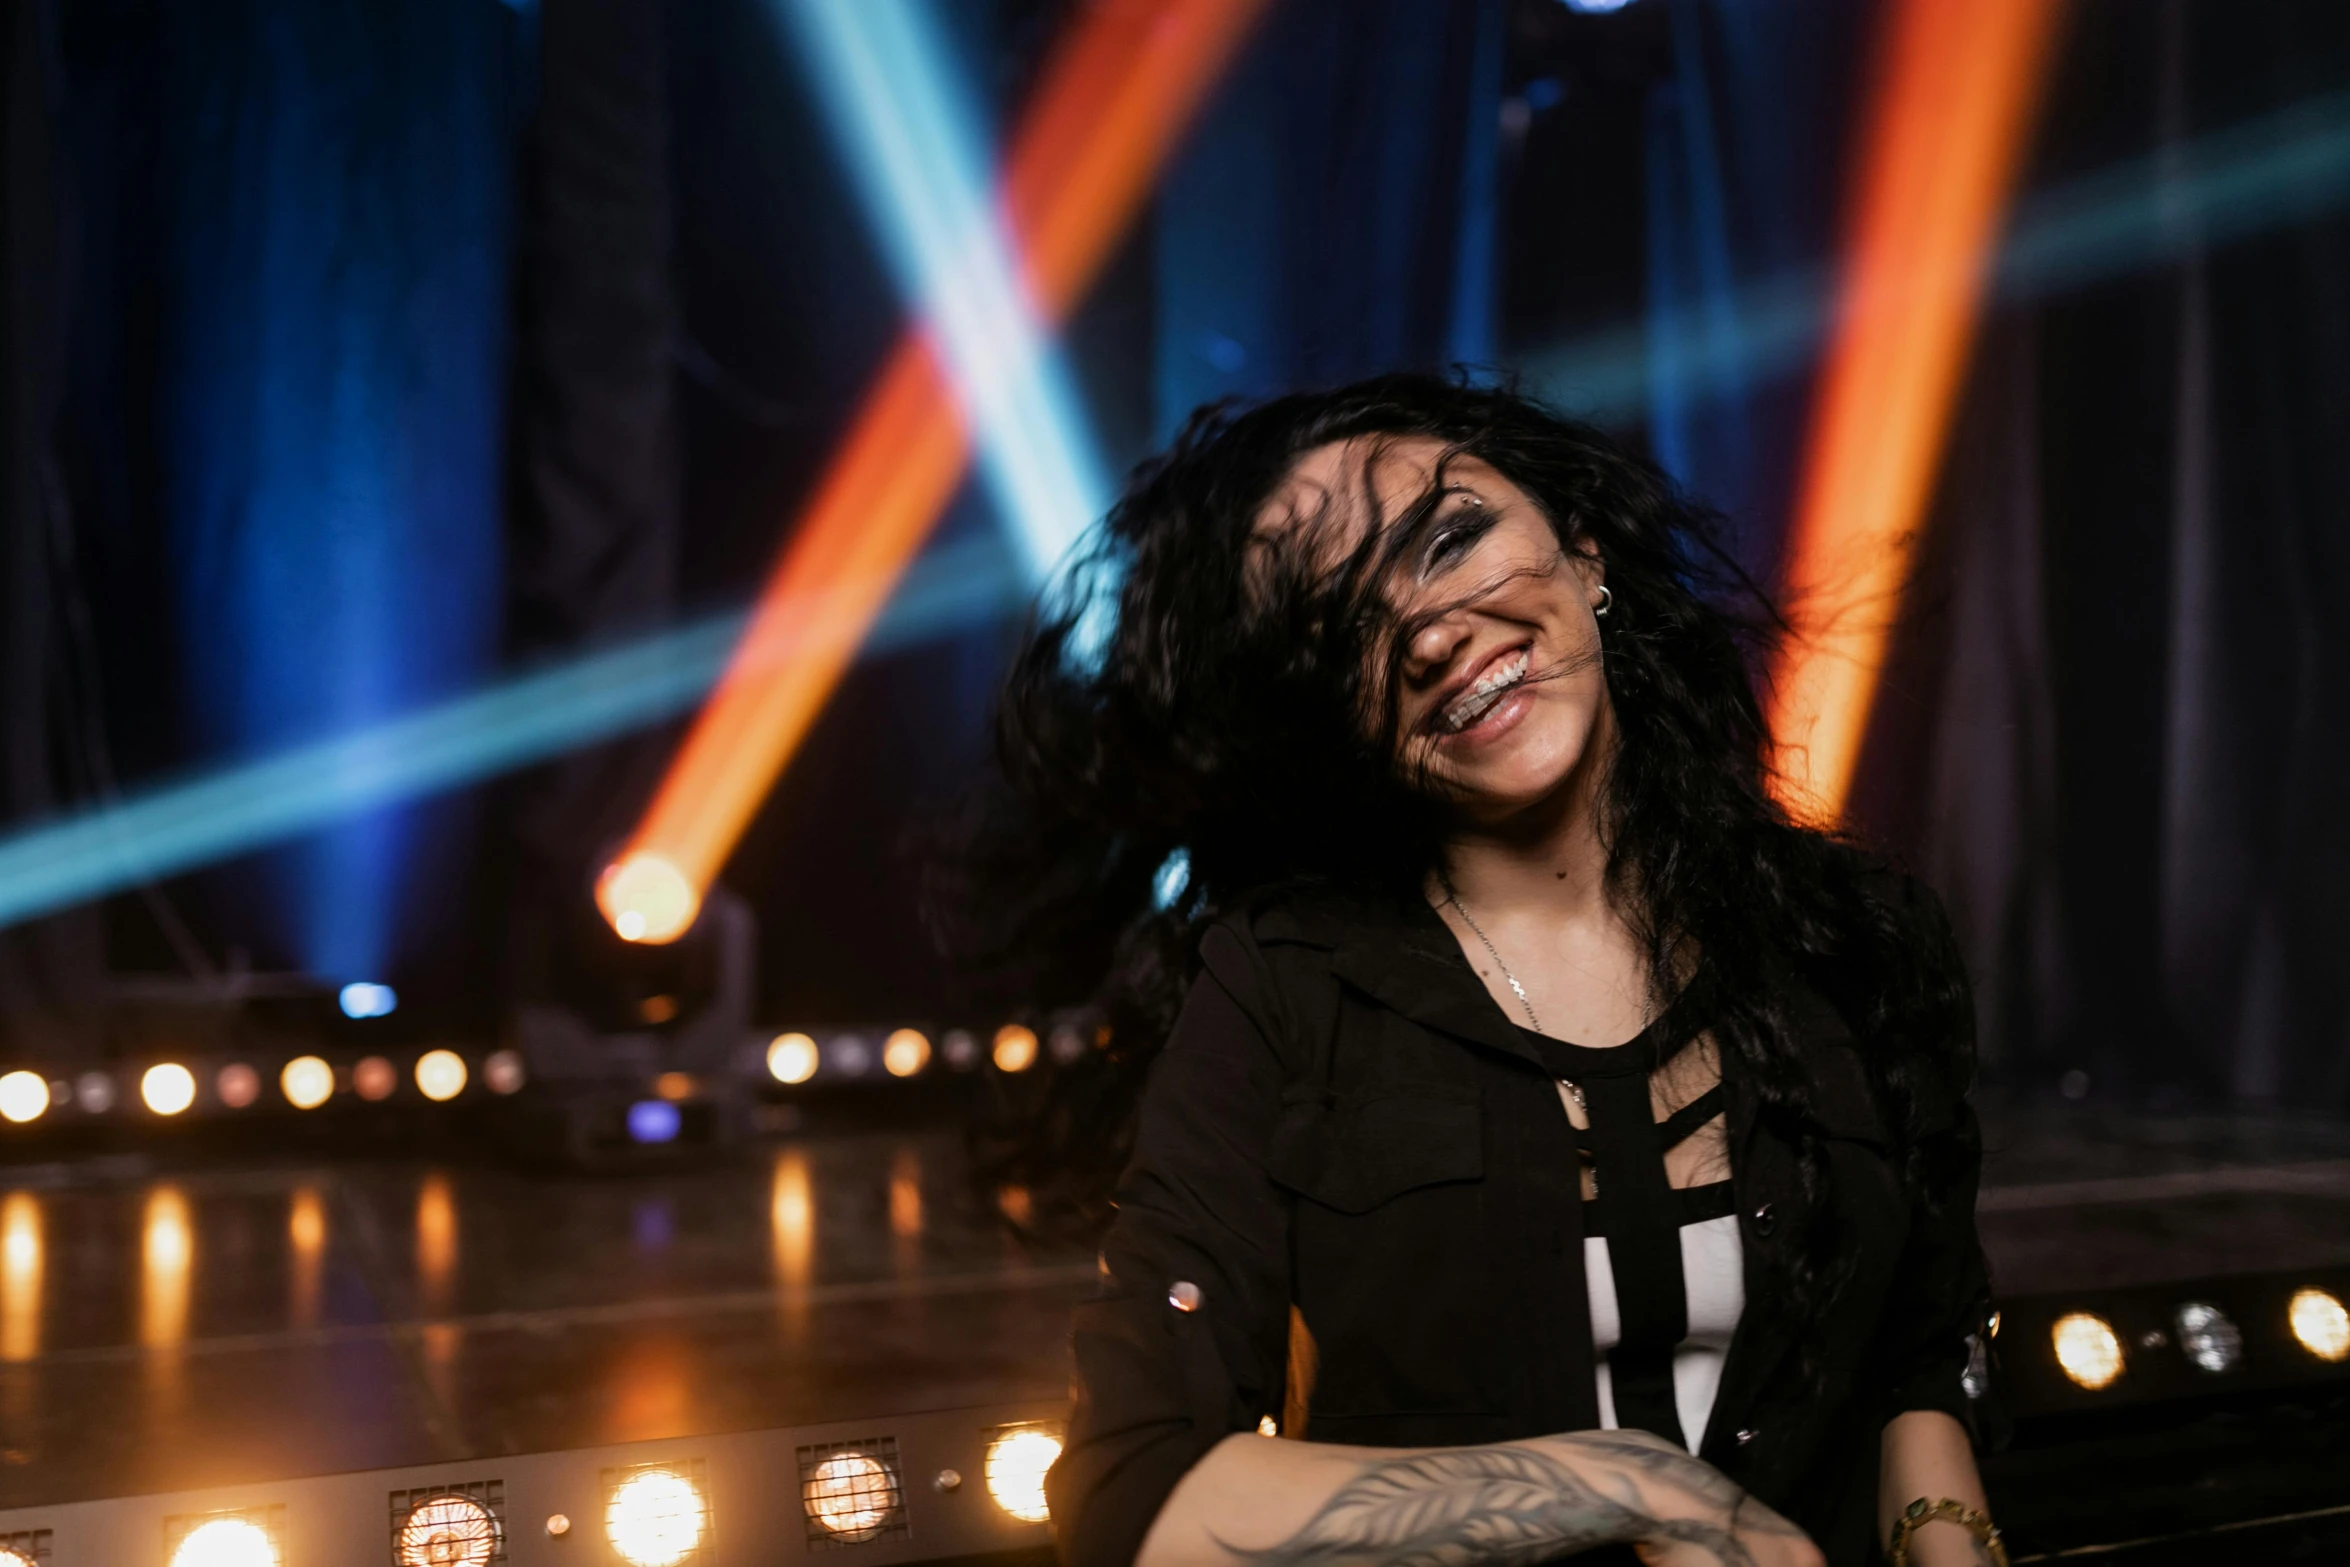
(1401,954)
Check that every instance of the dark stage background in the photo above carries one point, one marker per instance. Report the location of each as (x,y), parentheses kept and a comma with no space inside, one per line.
(357,352)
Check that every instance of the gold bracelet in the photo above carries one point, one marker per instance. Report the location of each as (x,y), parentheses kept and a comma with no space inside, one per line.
(1921,1512)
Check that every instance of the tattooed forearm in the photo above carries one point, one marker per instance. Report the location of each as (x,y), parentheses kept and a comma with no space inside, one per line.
(1512,1506)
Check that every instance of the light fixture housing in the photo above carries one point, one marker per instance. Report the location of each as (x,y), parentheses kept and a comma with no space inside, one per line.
(2321,1324)
(238,1537)
(2087,1349)
(1017,1458)
(658,1515)
(2208,1336)
(449,1525)
(852,1492)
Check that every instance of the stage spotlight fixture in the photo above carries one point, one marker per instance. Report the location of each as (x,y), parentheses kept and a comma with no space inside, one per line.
(2321,1324)
(366,1000)
(237,1085)
(850,1492)
(226,1542)
(2208,1336)
(502,1071)
(656,1518)
(447,1530)
(168,1088)
(2088,1349)
(1017,1457)
(647,899)
(1596,7)
(1015,1048)
(307,1082)
(94,1092)
(440,1075)
(791,1058)
(850,1055)
(9,1558)
(23,1096)
(375,1078)
(959,1047)
(653,1121)
(905,1052)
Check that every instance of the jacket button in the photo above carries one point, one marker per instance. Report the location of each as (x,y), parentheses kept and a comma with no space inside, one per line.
(1765,1220)
(1183,1295)
(1745,1437)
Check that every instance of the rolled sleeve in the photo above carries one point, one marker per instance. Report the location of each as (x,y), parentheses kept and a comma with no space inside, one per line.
(1157,1385)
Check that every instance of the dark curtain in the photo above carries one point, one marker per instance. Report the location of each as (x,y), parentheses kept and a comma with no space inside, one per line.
(2117,731)
(1334,211)
(49,968)
(595,496)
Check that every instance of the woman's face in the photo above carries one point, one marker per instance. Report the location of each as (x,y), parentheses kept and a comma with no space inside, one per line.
(1499,695)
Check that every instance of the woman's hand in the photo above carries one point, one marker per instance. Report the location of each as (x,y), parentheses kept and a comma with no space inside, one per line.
(1698,1516)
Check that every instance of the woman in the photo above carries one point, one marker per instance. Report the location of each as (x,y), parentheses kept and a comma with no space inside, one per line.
(1568,1145)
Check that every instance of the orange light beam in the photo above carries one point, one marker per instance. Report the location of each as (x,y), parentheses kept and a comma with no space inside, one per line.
(1956,85)
(1112,102)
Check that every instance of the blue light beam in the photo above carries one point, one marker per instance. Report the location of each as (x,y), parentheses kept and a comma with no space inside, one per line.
(164,831)
(2283,168)
(912,141)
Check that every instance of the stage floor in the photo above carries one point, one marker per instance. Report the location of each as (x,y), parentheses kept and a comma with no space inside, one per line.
(219,1320)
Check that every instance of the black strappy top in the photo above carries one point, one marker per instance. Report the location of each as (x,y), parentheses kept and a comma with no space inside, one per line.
(1635,1206)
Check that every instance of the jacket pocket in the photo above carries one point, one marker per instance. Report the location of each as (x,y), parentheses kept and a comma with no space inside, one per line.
(1359,1154)
(1393,1259)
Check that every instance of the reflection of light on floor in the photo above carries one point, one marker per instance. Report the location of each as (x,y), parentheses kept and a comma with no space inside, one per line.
(905,1194)
(20,1276)
(167,1252)
(652,1393)
(442,1341)
(436,1242)
(905,1210)
(306,1231)
(792,1213)
(794,1219)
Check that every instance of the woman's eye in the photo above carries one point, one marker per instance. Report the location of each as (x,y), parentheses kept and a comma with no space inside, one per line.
(1452,542)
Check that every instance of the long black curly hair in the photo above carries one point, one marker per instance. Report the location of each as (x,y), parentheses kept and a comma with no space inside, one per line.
(1227,716)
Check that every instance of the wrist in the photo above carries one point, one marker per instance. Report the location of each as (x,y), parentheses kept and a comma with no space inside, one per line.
(1944,1533)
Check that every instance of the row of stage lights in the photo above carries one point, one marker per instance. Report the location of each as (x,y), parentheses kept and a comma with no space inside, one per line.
(169,1088)
(795,1058)
(654,1515)
(2092,1354)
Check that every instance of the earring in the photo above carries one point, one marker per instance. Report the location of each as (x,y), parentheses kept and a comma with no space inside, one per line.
(1606,602)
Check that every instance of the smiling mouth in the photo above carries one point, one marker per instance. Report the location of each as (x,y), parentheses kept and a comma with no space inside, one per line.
(1490,688)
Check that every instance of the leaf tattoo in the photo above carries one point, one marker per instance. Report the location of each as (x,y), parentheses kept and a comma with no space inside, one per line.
(1501,1506)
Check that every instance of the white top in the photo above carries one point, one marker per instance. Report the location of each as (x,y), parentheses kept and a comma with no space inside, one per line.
(1713,1266)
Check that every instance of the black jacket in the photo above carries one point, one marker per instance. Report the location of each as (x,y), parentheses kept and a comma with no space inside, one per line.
(1344,1120)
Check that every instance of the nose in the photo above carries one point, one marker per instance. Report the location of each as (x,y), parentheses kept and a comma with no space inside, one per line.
(1436,644)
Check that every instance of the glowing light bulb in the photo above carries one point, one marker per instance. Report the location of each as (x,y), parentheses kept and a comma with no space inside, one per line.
(1016,1462)
(792,1058)
(307,1082)
(168,1089)
(237,1085)
(851,1494)
(2088,1349)
(226,1542)
(655,1519)
(374,1078)
(448,1531)
(362,999)
(503,1072)
(440,1075)
(2321,1324)
(646,898)
(23,1096)
(1015,1048)
(905,1052)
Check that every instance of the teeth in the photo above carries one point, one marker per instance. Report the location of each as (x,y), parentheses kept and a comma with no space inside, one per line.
(1475,702)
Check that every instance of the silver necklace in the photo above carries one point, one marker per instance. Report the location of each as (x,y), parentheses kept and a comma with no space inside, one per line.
(1574,1090)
